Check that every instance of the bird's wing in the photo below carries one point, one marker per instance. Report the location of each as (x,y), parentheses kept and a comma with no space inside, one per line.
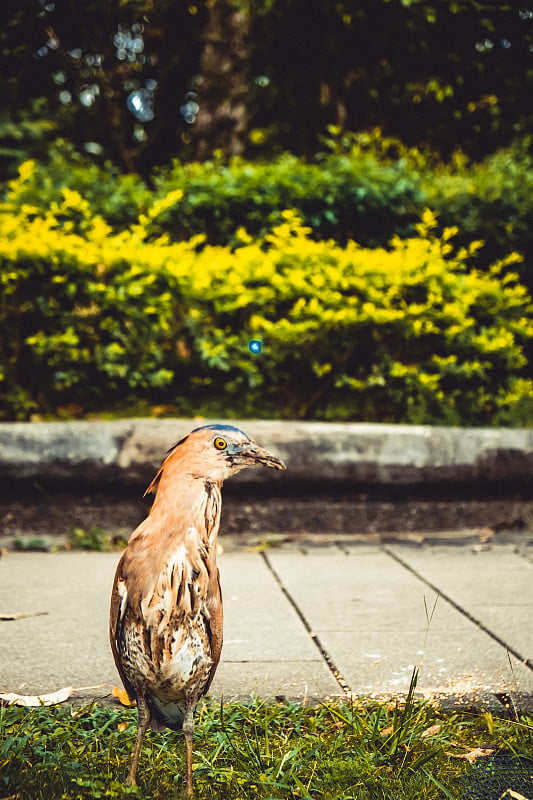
(160,601)
(215,625)
(117,615)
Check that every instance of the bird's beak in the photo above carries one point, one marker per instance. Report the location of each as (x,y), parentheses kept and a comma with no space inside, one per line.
(252,455)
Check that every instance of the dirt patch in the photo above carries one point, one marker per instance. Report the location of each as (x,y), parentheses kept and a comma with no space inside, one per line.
(54,513)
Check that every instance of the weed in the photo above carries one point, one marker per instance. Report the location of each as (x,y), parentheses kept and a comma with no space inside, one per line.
(95,539)
(33,544)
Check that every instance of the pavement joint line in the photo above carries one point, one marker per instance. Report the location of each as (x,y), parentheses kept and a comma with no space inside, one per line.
(337,674)
(527,662)
(526,556)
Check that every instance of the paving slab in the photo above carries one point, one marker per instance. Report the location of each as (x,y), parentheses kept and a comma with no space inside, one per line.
(259,623)
(69,645)
(267,651)
(284,680)
(377,621)
(495,586)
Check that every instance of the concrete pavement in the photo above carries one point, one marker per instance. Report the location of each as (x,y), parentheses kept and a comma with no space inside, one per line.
(300,622)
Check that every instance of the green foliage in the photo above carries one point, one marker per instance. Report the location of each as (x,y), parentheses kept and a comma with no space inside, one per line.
(434,74)
(411,333)
(492,200)
(114,196)
(95,539)
(350,750)
(90,319)
(23,133)
(344,196)
(82,62)
(351,196)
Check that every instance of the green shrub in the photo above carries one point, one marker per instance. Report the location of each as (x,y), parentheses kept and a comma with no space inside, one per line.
(492,201)
(116,197)
(368,188)
(343,197)
(90,319)
(410,334)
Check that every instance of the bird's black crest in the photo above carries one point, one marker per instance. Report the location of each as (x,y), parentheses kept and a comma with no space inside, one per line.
(215,426)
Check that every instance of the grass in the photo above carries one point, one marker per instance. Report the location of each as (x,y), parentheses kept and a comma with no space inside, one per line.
(257,750)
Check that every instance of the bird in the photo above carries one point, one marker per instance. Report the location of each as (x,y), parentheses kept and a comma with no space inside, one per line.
(166,615)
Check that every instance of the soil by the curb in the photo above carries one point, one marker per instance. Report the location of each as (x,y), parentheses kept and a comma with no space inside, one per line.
(49,513)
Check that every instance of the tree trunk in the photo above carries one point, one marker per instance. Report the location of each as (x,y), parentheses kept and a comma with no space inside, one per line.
(222,120)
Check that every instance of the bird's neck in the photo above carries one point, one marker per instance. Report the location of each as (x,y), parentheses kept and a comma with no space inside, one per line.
(180,530)
(184,501)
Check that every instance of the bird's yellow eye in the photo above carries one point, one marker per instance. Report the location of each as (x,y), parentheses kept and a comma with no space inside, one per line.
(220,443)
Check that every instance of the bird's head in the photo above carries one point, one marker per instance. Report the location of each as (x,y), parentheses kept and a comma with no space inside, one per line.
(215,452)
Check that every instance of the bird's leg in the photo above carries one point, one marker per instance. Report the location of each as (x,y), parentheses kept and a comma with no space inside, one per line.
(188,732)
(143,720)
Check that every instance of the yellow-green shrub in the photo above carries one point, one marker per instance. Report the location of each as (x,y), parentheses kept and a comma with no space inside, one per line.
(342,197)
(493,201)
(409,334)
(368,188)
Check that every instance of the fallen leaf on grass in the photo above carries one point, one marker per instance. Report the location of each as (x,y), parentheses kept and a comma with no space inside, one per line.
(122,726)
(13,699)
(122,696)
(476,752)
(386,731)
(431,731)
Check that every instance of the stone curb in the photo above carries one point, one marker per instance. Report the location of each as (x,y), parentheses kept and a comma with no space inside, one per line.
(125,453)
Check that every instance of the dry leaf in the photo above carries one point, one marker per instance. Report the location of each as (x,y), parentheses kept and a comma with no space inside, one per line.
(485,535)
(387,731)
(12,699)
(476,752)
(122,726)
(431,731)
(86,688)
(122,696)
(4,617)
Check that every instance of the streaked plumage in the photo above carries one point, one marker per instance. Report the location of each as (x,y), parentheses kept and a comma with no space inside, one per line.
(166,604)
